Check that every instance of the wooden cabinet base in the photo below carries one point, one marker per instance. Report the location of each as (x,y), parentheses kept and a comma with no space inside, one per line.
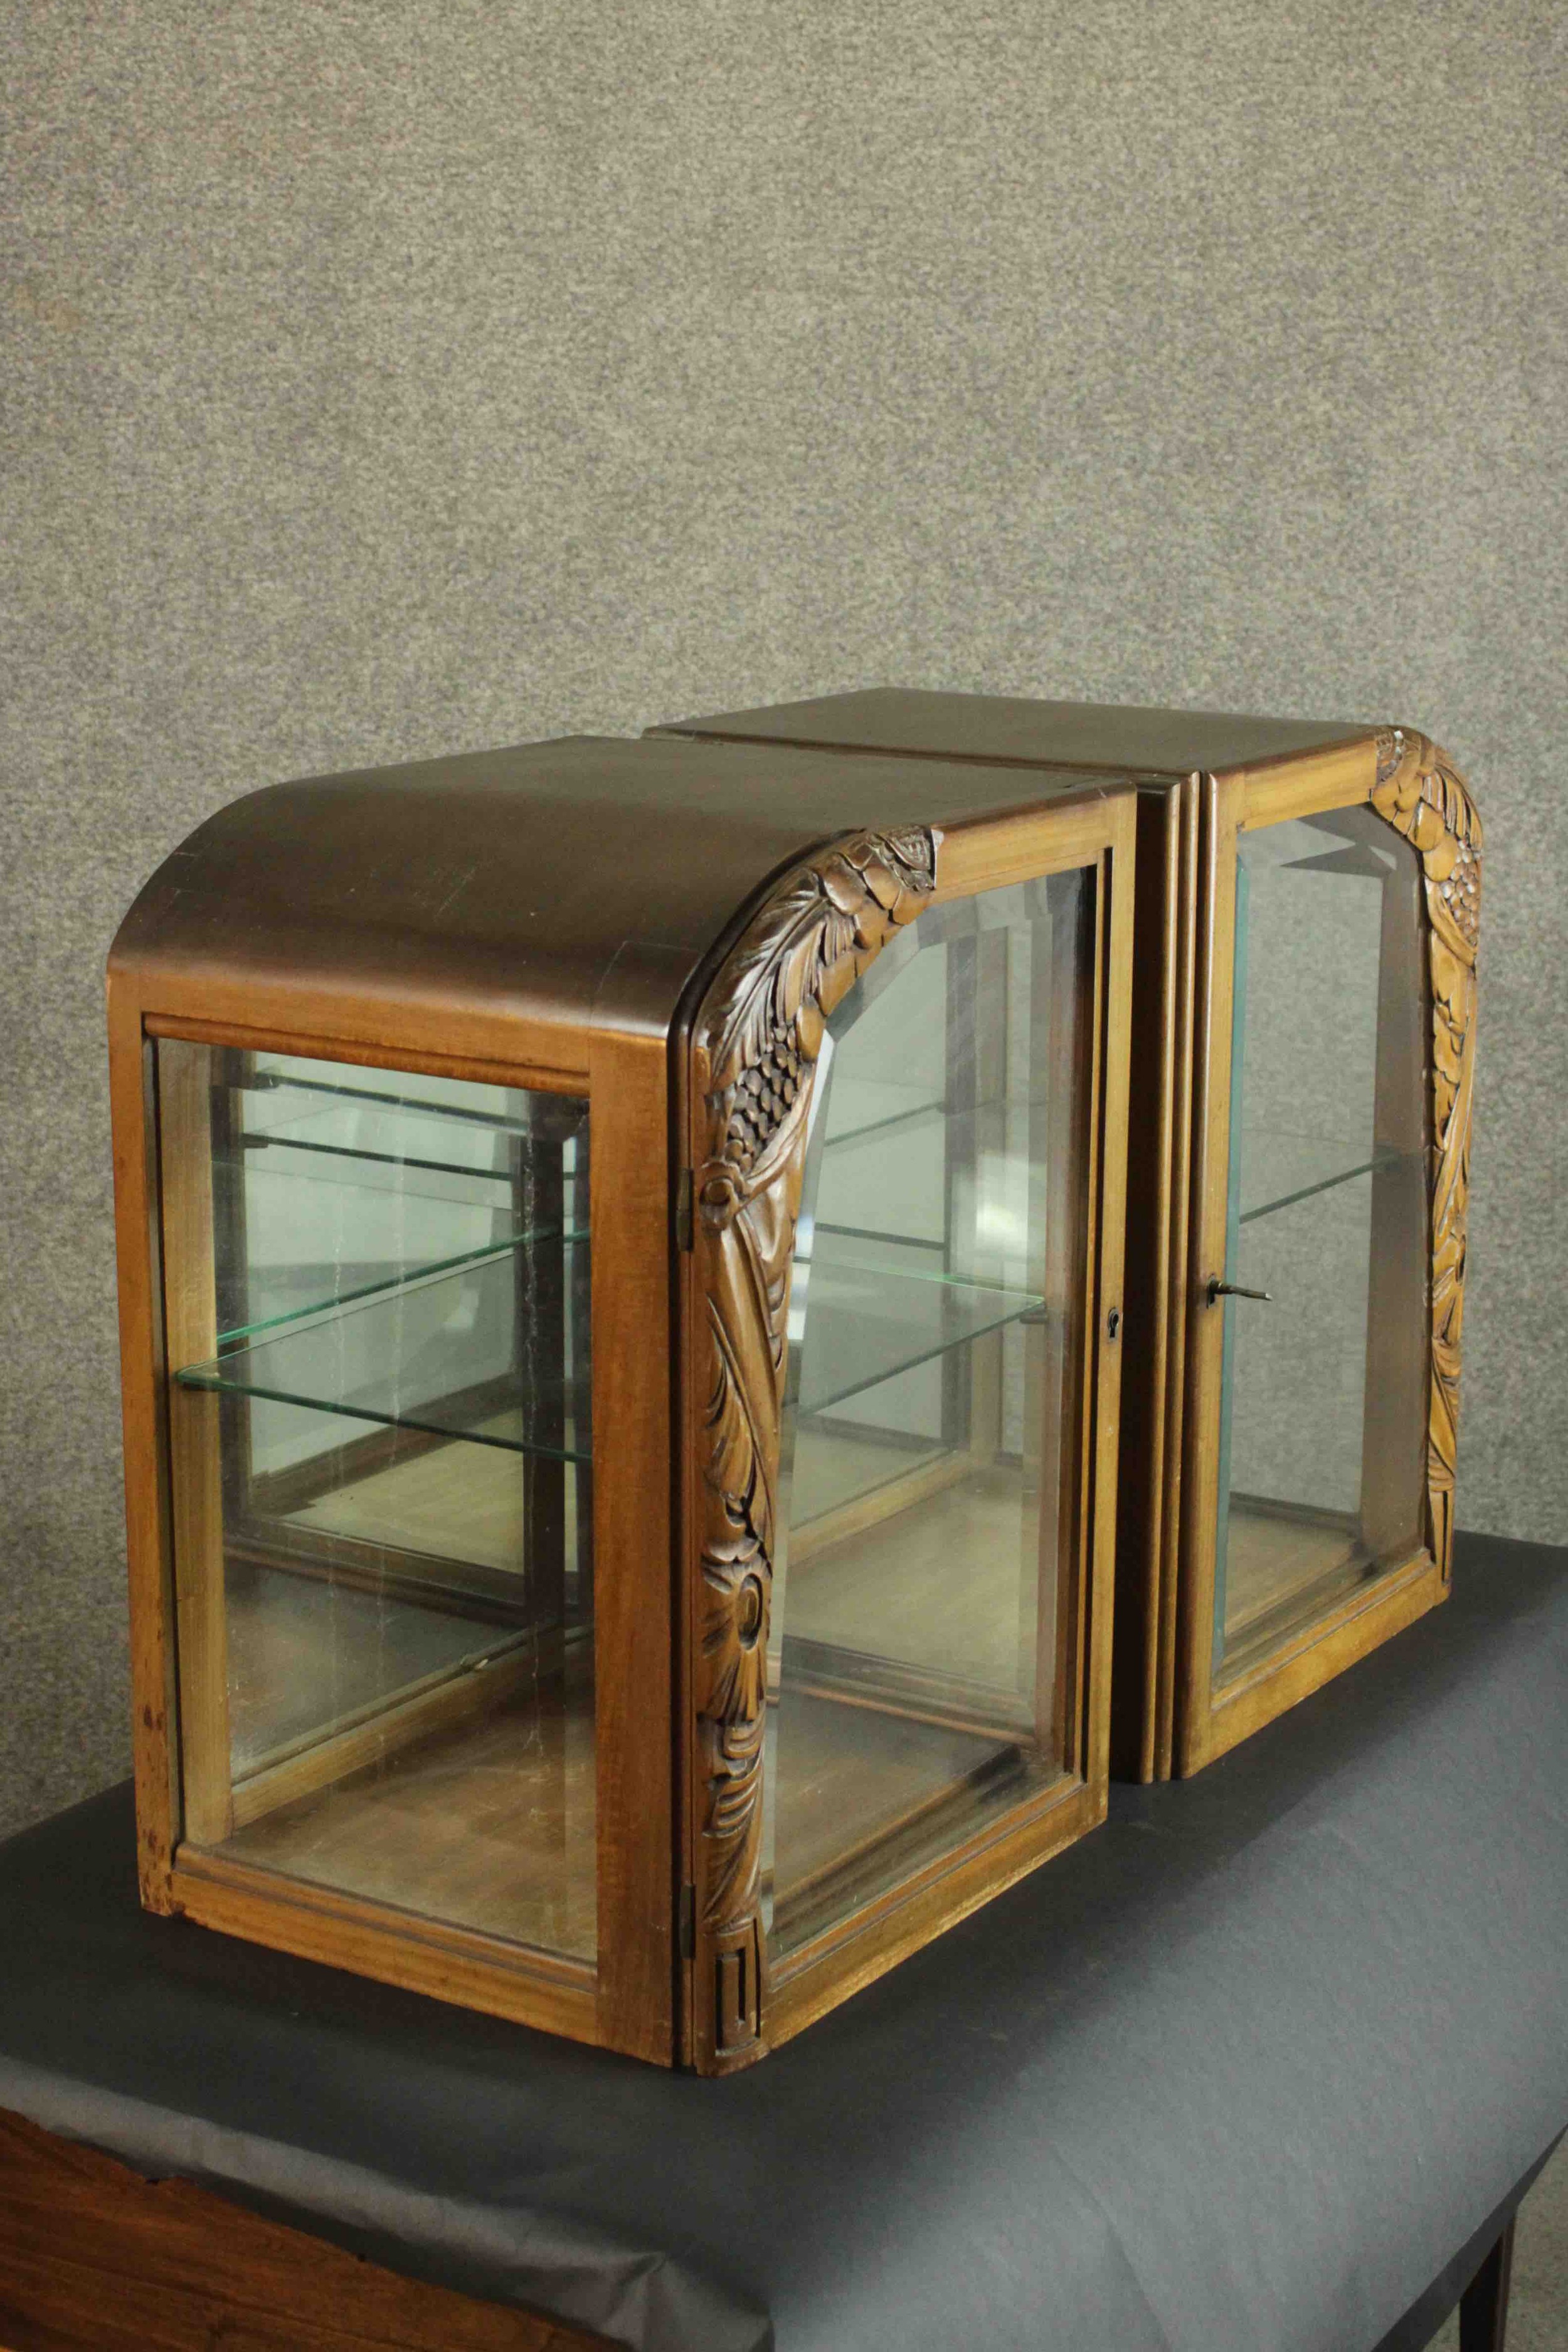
(93,2255)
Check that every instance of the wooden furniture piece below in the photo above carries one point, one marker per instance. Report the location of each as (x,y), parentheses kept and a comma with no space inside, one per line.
(93,2258)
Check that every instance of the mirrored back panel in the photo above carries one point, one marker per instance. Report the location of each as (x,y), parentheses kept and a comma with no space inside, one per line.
(1324,1388)
(923,1642)
(378,1311)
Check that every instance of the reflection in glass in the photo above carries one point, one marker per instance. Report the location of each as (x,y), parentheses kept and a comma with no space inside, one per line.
(1323,1410)
(919,1644)
(378,1291)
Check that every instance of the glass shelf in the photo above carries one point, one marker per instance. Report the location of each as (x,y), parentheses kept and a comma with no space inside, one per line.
(287,1090)
(320,1136)
(435,1351)
(1277,1170)
(943,1193)
(878,1107)
(332,1192)
(290,1293)
(868,1321)
(892,1116)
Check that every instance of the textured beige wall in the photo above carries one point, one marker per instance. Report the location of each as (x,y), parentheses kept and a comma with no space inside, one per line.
(385,379)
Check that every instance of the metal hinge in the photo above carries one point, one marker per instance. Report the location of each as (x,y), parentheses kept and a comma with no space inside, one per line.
(688,1922)
(683,1211)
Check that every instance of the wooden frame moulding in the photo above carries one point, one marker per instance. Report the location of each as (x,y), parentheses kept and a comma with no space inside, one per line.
(190,1325)
(1416,791)
(626,1999)
(753,1041)
(1159,1176)
(154,1719)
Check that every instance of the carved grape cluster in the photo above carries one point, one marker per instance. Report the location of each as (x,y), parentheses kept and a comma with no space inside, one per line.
(764,1098)
(1419,793)
(1460,892)
(1422,795)
(759,1035)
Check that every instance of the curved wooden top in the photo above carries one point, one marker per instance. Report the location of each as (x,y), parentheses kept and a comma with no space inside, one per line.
(563,886)
(1016,730)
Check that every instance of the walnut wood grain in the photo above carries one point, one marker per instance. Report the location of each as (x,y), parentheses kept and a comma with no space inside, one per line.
(754,1047)
(1366,1617)
(853,1954)
(138,1248)
(1423,796)
(1199,1336)
(93,2256)
(632,1545)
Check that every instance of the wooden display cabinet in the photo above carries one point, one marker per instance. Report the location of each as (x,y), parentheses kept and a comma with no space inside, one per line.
(1302,1061)
(620,1251)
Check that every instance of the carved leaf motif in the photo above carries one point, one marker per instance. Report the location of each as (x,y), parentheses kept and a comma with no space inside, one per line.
(1421,793)
(733,1758)
(755,1054)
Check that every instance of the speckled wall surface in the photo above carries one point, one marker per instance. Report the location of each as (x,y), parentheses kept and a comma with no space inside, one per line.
(385,380)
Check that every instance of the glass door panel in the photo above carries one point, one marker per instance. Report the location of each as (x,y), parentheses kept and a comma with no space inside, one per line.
(377,1293)
(1323,1403)
(919,1642)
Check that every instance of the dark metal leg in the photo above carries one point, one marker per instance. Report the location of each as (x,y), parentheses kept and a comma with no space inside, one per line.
(1483,2306)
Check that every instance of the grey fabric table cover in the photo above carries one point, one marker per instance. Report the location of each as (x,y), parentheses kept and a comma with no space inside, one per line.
(1241,2073)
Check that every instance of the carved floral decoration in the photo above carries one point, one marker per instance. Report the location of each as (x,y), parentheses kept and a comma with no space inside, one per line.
(755,1048)
(1422,795)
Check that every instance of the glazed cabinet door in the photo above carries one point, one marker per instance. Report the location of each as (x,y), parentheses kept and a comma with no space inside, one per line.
(907,1254)
(1318,1513)
(382,1316)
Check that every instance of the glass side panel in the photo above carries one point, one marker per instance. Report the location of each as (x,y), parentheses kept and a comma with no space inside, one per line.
(923,1582)
(377,1296)
(1324,1406)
